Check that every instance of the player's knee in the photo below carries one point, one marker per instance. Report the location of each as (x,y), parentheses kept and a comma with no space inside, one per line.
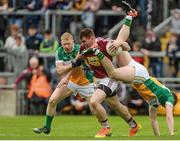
(93,102)
(52,102)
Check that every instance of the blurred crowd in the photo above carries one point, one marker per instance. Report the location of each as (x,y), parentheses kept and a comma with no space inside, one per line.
(22,39)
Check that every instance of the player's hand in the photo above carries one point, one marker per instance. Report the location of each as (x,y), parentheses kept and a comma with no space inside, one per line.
(77,62)
(91,51)
(114,45)
(125,46)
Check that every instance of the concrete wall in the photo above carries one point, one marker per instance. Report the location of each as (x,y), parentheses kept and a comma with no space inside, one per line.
(8,102)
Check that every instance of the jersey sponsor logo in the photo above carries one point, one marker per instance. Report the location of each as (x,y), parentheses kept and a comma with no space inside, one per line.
(94,61)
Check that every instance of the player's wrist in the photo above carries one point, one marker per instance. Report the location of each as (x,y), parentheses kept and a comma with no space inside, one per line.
(128,20)
(100,55)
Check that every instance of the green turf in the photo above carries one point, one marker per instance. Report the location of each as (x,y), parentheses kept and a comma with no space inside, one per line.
(79,127)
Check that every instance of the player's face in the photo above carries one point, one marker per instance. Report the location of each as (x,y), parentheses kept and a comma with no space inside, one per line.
(67,45)
(87,42)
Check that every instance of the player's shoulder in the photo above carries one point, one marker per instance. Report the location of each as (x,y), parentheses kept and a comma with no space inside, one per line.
(82,48)
(77,47)
(102,39)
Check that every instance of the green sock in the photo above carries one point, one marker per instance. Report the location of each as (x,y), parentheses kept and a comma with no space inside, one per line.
(49,121)
(128,21)
(100,55)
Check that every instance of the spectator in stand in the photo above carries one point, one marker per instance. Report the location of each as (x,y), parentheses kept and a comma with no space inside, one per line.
(11,6)
(39,91)
(32,5)
(10,42)
(3,5)
(49,4)
(27,73)
(33,40)
(88,16)
(175,23)
(3,80)
(49,44)
(173,46)
(66,20)
(136,47)
(19,55)
(79,4)
(152,43)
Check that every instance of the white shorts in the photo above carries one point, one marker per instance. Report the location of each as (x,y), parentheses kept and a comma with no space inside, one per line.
(84,91)
(141,73)
(110,83)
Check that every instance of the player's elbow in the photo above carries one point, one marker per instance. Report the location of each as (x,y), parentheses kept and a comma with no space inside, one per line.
(59,71)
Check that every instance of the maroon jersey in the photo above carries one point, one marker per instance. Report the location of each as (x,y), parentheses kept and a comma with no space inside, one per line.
(93,60)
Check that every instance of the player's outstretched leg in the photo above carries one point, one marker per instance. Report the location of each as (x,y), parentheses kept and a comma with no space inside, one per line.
(59,94)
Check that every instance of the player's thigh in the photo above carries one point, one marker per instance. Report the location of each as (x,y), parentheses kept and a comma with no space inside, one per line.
(98,96)
(152,113)
(86,90)
(126,74)
(60,93)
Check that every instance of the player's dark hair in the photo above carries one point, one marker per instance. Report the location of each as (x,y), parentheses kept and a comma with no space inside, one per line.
(175,98)
(86,32)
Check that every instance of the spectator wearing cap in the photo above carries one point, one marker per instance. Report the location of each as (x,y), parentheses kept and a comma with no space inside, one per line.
(33,40)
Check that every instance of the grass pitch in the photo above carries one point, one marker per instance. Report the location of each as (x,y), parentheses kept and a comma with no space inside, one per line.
(80,128)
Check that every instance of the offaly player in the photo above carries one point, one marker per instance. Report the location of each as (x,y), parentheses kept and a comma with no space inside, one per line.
(72,80)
